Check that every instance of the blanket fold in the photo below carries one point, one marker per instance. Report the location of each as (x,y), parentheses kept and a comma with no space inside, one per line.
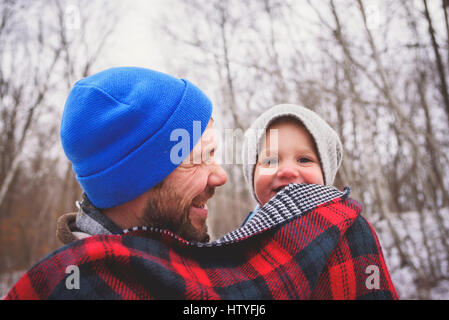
(308,242)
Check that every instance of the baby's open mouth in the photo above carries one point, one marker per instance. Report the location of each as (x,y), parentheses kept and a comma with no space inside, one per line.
(279,188)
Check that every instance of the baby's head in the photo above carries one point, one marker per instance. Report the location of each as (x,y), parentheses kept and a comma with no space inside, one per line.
(289,144)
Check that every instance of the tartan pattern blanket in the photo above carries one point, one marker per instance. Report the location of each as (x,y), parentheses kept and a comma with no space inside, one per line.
(308,242)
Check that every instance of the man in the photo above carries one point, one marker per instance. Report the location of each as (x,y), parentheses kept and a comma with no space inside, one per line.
(117,129)
(140,232)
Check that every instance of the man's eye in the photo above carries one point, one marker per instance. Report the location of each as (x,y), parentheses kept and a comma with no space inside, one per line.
(209,155)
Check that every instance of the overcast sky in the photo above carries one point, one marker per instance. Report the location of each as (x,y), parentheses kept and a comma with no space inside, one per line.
(136,41)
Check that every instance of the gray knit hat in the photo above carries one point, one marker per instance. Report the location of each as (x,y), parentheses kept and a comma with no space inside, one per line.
(330,150)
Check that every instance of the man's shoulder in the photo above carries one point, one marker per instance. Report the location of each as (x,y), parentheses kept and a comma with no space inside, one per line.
(52,272)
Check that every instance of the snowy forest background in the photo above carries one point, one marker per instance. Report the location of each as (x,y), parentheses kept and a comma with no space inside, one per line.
(376,70)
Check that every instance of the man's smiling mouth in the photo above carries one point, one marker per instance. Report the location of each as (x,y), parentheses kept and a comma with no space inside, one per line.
(198,216)
(200,206)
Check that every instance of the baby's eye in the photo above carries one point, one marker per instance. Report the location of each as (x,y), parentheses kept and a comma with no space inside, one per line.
(269,161)
(304,160)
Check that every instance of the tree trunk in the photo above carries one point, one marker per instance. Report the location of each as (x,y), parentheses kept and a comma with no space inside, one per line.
(439,61)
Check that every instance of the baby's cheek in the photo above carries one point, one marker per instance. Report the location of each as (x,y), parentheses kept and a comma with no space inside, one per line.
(262,183)
(313,175)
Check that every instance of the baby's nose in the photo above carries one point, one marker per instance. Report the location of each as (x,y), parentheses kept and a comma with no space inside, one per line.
(288,172)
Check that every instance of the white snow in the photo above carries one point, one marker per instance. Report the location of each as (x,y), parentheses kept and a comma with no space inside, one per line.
(7,280)
(405,279)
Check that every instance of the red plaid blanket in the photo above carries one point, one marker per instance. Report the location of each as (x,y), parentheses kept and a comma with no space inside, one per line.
(293,249)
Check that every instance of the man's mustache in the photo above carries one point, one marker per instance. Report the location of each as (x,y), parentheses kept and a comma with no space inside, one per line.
(204,196)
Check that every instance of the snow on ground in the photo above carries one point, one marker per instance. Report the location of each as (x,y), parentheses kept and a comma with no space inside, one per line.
(7,280)
(410,233)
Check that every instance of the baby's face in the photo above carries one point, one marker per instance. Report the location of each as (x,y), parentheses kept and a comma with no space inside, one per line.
(291,158)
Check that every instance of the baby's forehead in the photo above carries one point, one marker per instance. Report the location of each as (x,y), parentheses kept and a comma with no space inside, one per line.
(276,127)
(286,120)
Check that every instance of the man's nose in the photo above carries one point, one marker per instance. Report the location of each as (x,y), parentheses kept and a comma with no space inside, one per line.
(218,176)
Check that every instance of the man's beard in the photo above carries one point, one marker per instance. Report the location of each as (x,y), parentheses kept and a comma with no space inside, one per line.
(165,209)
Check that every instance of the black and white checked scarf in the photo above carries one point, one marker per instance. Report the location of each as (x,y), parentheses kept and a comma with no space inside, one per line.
(291,202)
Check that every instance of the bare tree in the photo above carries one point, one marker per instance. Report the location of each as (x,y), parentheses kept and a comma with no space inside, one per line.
(438,59)
(40,58)
(374,83)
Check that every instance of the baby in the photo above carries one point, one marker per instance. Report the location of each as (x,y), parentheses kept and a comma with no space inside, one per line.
(289,144)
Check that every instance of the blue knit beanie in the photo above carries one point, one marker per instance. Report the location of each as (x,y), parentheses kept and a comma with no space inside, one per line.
(116,130)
